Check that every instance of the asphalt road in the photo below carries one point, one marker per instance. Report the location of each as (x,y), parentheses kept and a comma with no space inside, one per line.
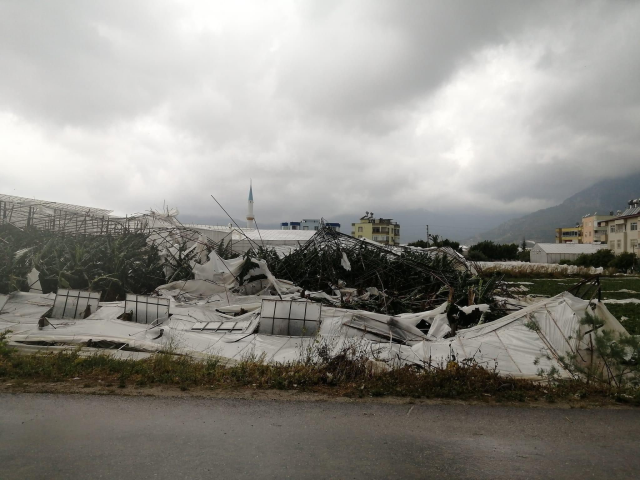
(74,436)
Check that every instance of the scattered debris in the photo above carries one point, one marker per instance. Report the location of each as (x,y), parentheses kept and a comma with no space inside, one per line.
(398,306)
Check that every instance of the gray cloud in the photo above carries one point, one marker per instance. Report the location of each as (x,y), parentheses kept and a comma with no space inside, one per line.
(331,107)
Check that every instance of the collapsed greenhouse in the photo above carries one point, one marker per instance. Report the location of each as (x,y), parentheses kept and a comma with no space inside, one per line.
(400,306)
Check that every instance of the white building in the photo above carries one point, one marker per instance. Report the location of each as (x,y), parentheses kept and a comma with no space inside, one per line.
(308,224)
(244,239)
(554,252)
(623,235)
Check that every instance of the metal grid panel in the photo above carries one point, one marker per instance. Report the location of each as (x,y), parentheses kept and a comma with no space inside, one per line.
(145,309)
(289,318)
(73,303)
(222,327)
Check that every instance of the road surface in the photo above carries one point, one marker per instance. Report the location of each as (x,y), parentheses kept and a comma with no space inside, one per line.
(112,437)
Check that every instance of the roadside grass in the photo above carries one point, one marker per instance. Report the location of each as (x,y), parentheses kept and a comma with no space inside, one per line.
(346,374)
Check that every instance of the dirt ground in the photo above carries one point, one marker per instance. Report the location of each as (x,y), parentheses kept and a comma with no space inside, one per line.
(77,387)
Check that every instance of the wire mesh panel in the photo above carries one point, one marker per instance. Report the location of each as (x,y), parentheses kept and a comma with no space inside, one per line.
(145,309)
(289,318)
(74,303)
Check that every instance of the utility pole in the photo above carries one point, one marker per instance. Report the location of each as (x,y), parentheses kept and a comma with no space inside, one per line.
(428,236)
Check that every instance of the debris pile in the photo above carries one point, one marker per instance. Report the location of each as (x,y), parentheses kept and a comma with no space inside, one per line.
(171,289)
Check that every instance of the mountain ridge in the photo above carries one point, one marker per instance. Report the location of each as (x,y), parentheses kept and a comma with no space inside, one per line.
(602,197)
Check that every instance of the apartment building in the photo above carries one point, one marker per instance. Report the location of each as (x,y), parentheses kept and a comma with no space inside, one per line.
(594,228)
(569,234)
(381,230)
(622,235)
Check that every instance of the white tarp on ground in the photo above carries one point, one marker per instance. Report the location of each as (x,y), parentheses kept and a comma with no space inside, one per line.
(524,342)
(518,344)
(538,268)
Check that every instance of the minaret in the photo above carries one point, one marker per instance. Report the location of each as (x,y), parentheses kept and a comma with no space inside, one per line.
(250,217)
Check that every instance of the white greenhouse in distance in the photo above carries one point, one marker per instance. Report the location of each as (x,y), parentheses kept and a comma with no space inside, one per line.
(554,252)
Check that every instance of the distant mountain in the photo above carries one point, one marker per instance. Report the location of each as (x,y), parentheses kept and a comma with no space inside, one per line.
(603,197)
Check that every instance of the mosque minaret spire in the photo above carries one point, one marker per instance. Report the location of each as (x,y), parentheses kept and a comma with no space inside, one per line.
(250,217)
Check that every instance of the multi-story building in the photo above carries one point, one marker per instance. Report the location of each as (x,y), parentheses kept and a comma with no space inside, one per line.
(594,228)
(569,234)
(308,224)
(381,230)
(623,229)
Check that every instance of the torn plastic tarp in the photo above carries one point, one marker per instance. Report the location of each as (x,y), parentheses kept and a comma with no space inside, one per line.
(521,343)
(384,328)
(33,279)
(345,262)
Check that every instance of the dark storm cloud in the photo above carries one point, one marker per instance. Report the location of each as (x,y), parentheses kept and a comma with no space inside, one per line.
(364,59)
(331,107)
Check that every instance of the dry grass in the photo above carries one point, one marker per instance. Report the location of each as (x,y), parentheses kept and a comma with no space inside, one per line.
(346,374)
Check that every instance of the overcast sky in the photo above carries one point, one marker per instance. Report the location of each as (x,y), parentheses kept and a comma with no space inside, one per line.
(332,107)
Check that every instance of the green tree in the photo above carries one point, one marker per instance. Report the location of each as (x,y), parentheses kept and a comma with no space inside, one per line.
(494,251)
(437,241)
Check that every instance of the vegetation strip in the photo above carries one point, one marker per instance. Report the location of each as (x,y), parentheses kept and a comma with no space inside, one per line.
(348,374)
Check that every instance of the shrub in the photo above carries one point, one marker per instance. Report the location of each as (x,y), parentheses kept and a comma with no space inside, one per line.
(604,258)
(601,258)
(624,261)
(477,256)
(436,241)
(495,251)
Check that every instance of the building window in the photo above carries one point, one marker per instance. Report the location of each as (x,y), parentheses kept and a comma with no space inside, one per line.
(360,229)
(619,244)
(380,238)
(612,245)
(634,226)
(612,229)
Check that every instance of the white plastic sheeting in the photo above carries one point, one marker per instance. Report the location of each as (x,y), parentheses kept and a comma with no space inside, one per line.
(33,279)
(519,344)
(219,276)
(522,343)
(538,268)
